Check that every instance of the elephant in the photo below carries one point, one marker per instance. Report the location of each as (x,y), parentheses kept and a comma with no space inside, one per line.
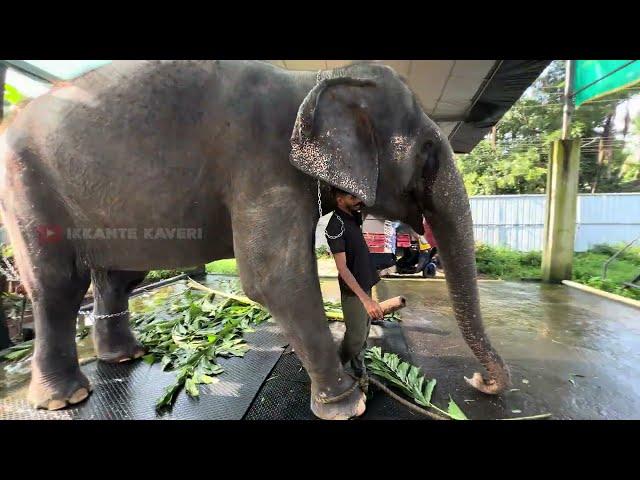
(237,154)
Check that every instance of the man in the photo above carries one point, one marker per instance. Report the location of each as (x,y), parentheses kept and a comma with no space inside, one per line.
(357,275)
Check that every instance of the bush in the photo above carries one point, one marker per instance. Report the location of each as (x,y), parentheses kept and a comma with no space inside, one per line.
(323,252)
(611,286)
(157,275)
(500,262)
(631,254)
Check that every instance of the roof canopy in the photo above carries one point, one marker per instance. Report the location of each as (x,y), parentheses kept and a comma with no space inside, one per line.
(465,97)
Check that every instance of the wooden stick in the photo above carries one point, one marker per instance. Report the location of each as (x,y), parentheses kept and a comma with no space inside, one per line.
(534,417)
(393,304)
(238,298)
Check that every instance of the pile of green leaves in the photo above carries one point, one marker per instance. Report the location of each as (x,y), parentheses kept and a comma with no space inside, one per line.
(23,350)
(17,352)
(188,331)
(409,380)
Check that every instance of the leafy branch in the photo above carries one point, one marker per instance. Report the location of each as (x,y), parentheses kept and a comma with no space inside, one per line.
(408,379)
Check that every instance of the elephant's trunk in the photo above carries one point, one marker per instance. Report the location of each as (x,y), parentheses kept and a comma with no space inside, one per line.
(448,213)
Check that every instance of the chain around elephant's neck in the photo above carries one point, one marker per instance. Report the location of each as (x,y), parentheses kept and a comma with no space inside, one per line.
(318,80)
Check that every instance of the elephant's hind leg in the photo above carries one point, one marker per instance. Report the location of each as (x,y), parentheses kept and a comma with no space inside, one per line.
(56,283)
(112,335)
(55,279)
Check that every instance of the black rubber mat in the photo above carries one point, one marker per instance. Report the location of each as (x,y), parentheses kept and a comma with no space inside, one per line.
(286,394)
(129,391)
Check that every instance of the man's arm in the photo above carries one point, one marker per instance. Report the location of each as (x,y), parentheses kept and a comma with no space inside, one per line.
(372,307)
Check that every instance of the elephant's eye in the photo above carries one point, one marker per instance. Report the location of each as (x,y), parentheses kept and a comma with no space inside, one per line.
(426,147)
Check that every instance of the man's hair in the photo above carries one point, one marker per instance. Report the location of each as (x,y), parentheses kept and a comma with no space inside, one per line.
(336,192)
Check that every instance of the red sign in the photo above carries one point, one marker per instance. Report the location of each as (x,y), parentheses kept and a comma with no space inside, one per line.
(49,234)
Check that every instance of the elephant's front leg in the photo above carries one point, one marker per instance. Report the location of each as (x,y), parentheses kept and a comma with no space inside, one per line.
(273,244)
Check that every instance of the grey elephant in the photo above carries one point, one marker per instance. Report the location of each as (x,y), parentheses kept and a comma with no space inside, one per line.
(229,152)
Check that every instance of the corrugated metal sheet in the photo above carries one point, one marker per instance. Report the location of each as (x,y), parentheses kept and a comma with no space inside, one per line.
(517,221)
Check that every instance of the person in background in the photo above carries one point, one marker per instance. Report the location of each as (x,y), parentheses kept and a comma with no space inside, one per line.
(431,240)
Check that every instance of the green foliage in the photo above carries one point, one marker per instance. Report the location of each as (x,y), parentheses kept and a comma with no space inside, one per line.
(408,379)
(507,264)
(518,163)
(17,352)
(223,267)
(6,250)
(187,331)
(12,95)
(157,275)
(323,252)
(500,262)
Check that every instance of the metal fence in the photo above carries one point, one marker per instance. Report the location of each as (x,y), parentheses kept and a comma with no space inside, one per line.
(517,221)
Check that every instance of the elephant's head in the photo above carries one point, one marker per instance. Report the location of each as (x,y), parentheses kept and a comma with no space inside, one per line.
(362,130)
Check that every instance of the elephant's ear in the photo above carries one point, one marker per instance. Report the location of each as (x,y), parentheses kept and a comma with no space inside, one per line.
(333,138)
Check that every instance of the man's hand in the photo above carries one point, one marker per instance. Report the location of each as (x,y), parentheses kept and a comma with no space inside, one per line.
(373,308)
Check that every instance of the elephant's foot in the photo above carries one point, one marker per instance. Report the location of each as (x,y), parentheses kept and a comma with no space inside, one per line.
(350,403)
(57,390)
(116,344)
(494,385)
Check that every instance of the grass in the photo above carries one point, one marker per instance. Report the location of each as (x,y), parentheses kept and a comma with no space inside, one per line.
(587,266)
(229,267)
(506,264)
(223,267)
(499,262)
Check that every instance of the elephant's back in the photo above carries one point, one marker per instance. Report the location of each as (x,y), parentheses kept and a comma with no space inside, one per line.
(149,129)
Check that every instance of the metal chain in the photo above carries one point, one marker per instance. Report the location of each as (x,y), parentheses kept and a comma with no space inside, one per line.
(326,234)
(319,200)
(109,315)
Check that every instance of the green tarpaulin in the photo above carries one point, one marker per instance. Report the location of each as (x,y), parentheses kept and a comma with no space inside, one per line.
(596,78)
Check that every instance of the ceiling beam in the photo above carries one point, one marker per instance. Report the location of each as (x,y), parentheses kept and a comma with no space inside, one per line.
(31,71)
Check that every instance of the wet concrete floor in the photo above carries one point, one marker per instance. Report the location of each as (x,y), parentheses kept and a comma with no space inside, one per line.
(571,354)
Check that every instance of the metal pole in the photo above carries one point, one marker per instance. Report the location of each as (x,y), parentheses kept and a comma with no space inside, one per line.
(568,99)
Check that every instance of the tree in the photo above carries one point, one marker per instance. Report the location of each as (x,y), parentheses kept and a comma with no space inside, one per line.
(515,158)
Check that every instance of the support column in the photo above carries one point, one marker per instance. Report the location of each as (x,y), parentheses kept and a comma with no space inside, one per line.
(560,211)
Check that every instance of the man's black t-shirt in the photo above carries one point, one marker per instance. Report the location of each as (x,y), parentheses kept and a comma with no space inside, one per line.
(352,243)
